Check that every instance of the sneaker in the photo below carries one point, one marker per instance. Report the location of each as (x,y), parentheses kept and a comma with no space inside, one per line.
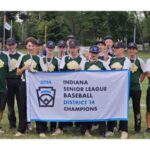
(102,135)
(30,127)
(87,133)
(94,127)
(18,134)
(115,129)
(109,134)
(57,132)
(147,130)
(137,132)
(1,130)
(124,135)
(42,135)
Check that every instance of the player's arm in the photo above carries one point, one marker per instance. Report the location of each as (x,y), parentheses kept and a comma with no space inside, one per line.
(20,68)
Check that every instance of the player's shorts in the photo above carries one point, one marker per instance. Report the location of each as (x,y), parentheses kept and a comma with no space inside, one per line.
(148,100)
(2,101)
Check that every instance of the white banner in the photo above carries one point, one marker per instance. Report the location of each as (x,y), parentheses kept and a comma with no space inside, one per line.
(78,96)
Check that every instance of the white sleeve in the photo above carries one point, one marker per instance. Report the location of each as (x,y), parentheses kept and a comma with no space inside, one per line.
(19,61)
(142,64)
(83,61)
(106,64)
(62,63)
(42,64)
(58,62)
(147,66)
(9,64)
(127,64)
(82,65)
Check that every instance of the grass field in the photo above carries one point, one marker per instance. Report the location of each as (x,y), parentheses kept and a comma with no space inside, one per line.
(75,134)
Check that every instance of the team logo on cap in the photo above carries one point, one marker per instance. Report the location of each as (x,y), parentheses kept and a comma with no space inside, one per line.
(46,96)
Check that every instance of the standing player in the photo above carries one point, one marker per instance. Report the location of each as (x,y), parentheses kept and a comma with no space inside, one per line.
(109,45)
(5,66)
(72,62)
(13,81)
(147,71)
(61,47)
(119,62)
(32,63)
(94,64)
(137,76)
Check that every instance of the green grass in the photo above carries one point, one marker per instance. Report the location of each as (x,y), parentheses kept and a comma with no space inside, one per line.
(75,134)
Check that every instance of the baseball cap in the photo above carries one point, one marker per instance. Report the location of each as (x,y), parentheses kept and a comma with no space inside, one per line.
(10,41)
(73,43)
(94,49)
(108,37)
(50,44)
(100,42)
(132,45)
(119,45)
(61,43)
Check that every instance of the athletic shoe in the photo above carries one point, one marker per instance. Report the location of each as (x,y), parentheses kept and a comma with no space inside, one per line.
(29,127)
(57,132)
(124,135)
(42,135)
(1,130)
(109,134)
(18,134)
(87,133)
(94,127)
(147,130)
(115,129)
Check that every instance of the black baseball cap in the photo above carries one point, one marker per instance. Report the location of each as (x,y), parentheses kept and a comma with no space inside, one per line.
(10,41)
(73,43)
(100,42)
(61,43)
(132,45)
(108,37)
(50,44)
(71,37)
(119,45)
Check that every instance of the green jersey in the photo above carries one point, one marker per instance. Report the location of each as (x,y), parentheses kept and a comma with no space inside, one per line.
(69,63)
(14,59)
(5,66)
(95,65)
(51,64)
(136,68)
(119,63)
(35,62)
(147,69)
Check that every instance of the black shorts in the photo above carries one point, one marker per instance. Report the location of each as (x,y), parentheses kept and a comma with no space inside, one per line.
(148,100)
(2,101)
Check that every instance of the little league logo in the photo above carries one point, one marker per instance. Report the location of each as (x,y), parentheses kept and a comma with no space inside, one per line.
(46,96)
